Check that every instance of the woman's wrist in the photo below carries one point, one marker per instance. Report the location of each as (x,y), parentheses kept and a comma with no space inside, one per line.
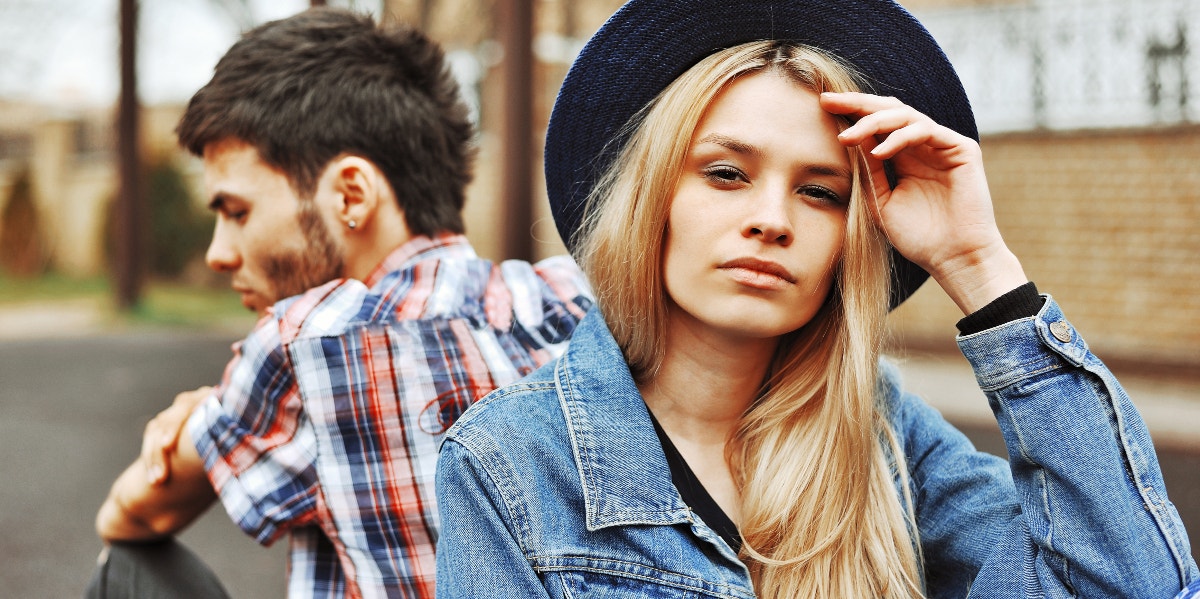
(973,282)
(1021,302)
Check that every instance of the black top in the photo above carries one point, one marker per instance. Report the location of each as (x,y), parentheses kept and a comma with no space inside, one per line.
(694,494)
(1022,302)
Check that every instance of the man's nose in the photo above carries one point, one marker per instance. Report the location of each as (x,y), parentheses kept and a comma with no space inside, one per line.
(222,254)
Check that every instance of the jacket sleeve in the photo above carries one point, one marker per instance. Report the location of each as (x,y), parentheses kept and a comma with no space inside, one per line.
(478,554)
(1082,510)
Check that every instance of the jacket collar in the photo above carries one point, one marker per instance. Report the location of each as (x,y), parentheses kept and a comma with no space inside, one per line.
(621,464)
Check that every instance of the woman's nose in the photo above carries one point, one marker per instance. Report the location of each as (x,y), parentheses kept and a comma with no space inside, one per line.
(769,219)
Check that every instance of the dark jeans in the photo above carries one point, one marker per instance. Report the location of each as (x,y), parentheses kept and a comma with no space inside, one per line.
(159,570)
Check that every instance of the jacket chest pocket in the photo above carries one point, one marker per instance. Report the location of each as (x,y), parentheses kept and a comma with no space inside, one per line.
(606,579)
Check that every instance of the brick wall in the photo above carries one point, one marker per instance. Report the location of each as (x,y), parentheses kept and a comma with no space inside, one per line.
(1108,223)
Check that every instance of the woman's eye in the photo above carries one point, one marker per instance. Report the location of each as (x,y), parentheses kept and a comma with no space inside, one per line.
(723,175)
(823,194)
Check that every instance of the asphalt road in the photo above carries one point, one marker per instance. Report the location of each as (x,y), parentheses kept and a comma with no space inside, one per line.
(71,415)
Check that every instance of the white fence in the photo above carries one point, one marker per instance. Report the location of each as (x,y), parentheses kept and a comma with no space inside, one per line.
(1075,64)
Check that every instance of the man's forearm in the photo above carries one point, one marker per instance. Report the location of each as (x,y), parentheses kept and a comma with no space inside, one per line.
(117,521)
(136,509)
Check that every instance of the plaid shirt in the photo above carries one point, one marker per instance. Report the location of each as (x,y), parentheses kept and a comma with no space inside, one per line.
(329,417)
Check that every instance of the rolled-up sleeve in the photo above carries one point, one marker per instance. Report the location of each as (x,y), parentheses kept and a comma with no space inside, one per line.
(258,446)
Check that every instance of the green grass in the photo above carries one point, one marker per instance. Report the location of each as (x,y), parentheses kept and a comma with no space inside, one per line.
(162,302)
(51,287)
(176,304)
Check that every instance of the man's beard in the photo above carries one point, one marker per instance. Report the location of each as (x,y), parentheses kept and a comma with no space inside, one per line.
(320,261)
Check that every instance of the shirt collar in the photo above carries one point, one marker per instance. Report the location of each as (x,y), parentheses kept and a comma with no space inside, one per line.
(621,463)
(420,249)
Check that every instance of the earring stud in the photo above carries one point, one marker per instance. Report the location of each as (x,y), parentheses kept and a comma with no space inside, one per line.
(352,224)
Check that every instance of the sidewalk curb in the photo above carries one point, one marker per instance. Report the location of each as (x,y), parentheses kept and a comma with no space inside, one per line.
(1170,407)
(89,317)
(55,319)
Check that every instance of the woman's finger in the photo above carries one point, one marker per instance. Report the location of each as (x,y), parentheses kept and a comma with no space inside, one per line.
(857,103)
(913,135)
(881,117)
(875,168)
(881,123)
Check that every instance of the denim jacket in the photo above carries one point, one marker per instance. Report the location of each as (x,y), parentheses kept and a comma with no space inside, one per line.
(556,486)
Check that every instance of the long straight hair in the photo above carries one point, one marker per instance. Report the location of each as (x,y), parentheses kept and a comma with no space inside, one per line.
(826,510)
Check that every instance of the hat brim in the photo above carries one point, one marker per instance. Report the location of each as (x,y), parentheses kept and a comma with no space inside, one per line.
(647,44)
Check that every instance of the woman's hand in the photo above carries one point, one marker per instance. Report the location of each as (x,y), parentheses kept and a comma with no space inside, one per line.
(939,215)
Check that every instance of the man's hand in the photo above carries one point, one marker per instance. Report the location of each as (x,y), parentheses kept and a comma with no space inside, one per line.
(161,436)
(166,488)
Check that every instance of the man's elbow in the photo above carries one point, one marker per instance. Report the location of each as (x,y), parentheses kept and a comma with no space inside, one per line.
(117,522)
(138,509)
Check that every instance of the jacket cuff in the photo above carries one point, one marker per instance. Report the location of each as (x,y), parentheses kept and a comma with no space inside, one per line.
(1009,352)
(1022,302)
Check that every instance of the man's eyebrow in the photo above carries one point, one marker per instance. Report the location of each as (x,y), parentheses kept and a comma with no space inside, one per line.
(220,201)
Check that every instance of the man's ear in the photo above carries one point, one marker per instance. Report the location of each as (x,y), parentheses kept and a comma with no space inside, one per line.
(359,186)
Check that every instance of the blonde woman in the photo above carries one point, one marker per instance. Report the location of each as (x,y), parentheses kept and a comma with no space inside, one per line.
(722,425)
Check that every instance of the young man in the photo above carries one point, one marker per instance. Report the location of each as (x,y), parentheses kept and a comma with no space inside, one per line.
(335,155)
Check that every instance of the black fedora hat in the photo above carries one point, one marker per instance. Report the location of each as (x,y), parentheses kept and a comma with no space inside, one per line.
(648,43)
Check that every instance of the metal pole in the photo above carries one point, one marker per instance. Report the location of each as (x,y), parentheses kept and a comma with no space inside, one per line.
(128,216)
(516,35)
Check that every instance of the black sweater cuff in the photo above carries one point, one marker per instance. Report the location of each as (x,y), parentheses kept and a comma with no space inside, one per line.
(1022,302)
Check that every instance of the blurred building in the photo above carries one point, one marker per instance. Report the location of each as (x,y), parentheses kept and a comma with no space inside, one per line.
(1088,112)
(70,158)
(468,29)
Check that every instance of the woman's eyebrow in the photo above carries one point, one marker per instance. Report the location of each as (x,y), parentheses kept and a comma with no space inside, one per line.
(735,145)
(829,171)
(741,147)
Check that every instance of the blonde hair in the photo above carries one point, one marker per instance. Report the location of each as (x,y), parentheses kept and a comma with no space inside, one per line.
(815,461)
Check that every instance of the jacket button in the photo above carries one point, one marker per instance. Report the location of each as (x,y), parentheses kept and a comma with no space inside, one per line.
(1061,331)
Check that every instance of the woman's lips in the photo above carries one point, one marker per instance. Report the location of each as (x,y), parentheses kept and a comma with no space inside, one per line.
(757,272)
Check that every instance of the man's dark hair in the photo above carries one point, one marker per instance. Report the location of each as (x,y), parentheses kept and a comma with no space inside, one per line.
(308,88)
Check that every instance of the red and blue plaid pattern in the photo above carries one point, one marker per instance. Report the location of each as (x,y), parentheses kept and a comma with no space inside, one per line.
(328,421)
